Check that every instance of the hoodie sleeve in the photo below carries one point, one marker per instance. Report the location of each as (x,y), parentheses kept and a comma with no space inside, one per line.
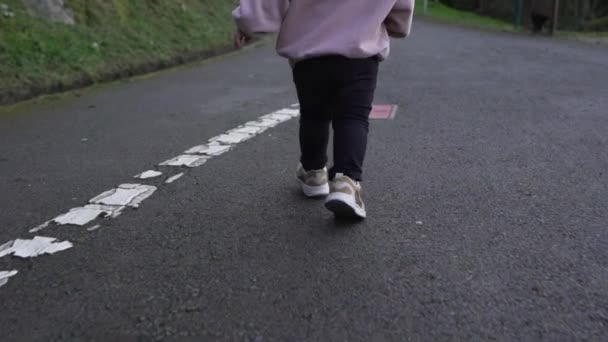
(260,16)
(399,21)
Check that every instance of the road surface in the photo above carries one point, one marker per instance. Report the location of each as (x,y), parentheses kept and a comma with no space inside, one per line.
(487,198)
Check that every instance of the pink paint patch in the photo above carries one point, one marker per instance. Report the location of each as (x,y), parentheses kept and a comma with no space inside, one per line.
(383,112)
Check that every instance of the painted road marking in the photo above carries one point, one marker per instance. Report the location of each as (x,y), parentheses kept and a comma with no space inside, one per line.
(148,174)
(111,203)
(249,130)
(174,178)
(188,160)
(383,112)
(32,248)
(4,275)
(277,117)
(231,138)
(81,216)
(95,227)
(40,227)
(209,150)
(268,123)
(125,195)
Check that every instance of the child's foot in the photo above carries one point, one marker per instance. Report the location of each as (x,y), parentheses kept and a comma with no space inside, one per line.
(345,198)
(313,182)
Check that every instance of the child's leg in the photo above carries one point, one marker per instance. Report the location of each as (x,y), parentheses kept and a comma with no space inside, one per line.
(313,87)
(352,105)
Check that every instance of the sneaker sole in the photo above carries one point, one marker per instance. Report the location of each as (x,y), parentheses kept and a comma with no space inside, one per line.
(343,205)
(314,191)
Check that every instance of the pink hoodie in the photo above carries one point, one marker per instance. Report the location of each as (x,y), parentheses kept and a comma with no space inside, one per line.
(312,28)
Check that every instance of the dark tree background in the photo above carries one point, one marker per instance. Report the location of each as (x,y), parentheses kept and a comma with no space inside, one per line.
(574,14)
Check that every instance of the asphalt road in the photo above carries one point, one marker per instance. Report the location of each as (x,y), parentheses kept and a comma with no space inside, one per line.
(487,199)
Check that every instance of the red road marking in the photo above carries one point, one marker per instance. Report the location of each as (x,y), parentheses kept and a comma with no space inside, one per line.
(383,112)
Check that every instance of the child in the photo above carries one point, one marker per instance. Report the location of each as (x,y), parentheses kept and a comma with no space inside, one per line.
(335,47)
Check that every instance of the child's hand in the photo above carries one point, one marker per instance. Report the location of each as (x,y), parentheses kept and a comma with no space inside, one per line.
(241,39)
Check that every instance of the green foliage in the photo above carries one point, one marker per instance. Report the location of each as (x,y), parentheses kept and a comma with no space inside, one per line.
(108,36)
(439,11)
(597,25)
(122,9)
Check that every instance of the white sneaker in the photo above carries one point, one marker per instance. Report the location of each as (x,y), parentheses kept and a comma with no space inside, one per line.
(345,198)
(313,182)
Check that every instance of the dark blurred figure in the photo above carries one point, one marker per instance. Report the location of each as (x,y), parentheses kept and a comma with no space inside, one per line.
(542,12)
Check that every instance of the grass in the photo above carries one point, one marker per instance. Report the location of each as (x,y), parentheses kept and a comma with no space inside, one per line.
(589,37)
(441,12)
(110,37)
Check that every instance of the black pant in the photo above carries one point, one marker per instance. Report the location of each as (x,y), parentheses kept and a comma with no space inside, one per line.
(337,90)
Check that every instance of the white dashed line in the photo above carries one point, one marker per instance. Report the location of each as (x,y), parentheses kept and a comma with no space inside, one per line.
(290,112)
(111,203)
(4,247)
(95,227)
(113,210)
(4,275)
(40,227)
(268,123)
(174,178)
(188,160)
(277,117)
(209,150)
(249,130)
(148,174)
(125,195)
(81,216)
(231,138)
(37,246)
